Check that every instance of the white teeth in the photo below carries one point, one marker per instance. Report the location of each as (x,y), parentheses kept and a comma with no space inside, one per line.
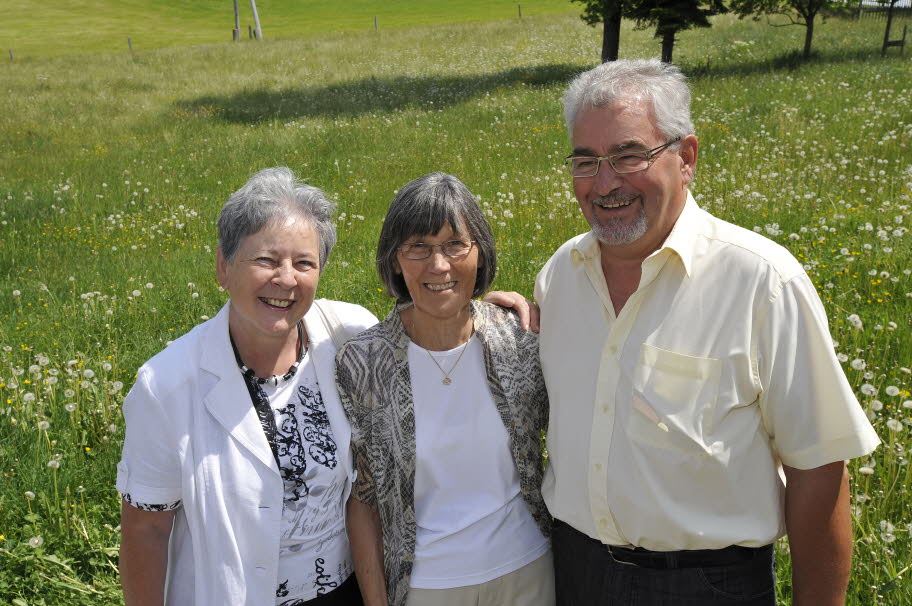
(616,205)
(278,302)
(441,286)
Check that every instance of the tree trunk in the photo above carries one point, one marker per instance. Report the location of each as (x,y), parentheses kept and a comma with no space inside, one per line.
(611,36)
(808,35)
(883,49)
(668,43)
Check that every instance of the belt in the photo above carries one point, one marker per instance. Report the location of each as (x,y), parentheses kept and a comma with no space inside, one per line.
(686,558)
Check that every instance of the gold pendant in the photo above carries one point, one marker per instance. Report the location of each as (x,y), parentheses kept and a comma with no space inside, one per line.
(446,380)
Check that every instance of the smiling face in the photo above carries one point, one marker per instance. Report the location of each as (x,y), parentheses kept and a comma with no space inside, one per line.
(272,280)
(439,286)
(631,212)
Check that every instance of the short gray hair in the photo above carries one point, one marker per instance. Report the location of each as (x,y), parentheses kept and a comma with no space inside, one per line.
(662,84)
(271,195)
(423,207)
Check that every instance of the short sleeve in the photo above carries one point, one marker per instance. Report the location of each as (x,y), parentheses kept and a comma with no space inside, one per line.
(360,419)
(807,404)
(149,469)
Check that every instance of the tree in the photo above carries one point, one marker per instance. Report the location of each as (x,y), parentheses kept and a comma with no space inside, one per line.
(798,12)
(609,13)
(671,16)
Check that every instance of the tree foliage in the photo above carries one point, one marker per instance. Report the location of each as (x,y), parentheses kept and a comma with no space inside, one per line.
(668,16)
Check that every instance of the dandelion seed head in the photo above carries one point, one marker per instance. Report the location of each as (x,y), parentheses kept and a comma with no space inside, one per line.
(35,542)
(892,390)
(54,464)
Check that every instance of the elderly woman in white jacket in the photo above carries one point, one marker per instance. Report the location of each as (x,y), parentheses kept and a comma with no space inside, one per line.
(236,463)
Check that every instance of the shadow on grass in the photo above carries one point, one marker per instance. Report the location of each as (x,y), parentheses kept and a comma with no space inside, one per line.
(359,97)
(788,61)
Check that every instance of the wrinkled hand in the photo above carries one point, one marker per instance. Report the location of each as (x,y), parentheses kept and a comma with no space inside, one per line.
(527,310)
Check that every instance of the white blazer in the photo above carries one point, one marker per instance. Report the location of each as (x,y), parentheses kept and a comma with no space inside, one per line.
(192,435)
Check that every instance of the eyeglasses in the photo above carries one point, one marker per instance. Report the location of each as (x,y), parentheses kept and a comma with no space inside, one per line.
(454,249)
(623,163)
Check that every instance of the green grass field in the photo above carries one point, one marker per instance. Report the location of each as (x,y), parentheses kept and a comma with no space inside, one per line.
(40,28)
(113,168)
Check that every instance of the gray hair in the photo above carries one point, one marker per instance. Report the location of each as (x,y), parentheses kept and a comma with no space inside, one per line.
(423,207)
(271,195)
(662,84)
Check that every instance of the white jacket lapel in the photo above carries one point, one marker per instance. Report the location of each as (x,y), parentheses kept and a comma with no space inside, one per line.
(229,401)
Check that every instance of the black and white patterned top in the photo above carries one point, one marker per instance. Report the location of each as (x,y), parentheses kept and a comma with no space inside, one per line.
(372,376)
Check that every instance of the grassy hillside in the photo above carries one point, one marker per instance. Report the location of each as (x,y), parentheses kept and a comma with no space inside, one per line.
(41,28)
(113,169)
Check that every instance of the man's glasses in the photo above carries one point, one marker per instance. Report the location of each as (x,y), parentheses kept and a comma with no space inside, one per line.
(454,249)
(623,163)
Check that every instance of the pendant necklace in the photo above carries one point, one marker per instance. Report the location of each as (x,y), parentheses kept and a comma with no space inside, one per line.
(446,374)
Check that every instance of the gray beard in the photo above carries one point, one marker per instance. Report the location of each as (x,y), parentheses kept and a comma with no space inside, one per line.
(616,233)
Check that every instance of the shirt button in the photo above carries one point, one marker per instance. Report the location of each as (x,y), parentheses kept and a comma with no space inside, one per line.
(603,523)
(598,466)
(605,409)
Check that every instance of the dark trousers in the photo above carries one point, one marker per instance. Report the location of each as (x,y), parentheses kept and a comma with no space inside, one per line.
(587,574)
(346,594)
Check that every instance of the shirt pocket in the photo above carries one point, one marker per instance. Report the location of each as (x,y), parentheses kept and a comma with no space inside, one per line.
(673,401)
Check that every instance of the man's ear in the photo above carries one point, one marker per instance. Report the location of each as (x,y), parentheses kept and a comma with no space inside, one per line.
(221,268)
(688,152)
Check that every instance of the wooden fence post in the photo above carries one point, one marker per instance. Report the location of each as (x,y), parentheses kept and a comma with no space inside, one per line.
(519,6)
(11,54)
(376,24)
(130,44)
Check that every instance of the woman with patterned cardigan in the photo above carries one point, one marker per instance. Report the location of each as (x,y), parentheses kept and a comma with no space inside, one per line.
(447,404)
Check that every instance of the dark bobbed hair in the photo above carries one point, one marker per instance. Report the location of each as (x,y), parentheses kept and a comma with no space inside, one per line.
(423,207)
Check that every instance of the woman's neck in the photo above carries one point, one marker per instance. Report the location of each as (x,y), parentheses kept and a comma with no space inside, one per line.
(437,334)
(267,356)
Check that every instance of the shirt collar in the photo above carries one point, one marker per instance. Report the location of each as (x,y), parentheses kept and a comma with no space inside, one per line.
(682,239)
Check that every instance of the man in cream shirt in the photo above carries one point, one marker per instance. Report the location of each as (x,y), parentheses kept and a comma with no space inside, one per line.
(698,412)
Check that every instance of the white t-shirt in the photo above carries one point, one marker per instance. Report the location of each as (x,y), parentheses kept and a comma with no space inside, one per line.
(472,522)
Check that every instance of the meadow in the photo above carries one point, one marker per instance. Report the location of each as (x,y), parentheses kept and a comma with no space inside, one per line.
(113,168)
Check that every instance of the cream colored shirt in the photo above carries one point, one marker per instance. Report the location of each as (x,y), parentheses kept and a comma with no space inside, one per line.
(669,422)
